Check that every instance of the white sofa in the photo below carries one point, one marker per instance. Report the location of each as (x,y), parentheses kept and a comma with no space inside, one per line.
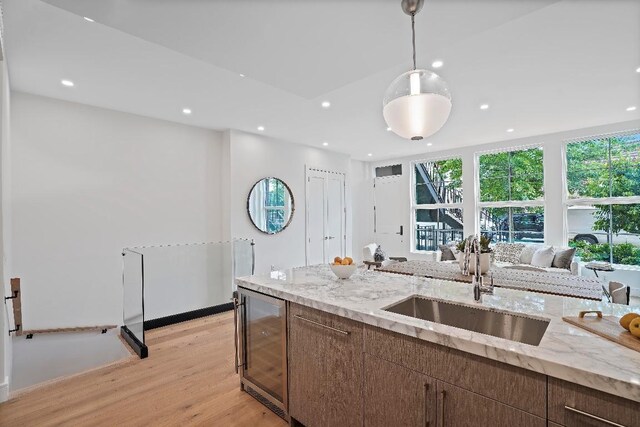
(525,261)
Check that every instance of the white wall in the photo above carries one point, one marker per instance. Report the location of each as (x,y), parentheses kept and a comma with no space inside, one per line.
(5,233)
(87,182)
(553,160)
(253,157)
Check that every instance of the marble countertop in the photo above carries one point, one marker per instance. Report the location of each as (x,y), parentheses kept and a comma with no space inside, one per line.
(565,352)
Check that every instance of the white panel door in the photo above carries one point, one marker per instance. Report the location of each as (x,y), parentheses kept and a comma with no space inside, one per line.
(390,227)
(335,232)
(316,199)
(326,216)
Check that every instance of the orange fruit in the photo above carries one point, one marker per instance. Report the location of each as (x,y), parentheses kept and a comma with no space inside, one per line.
(337,260)
(634,327)
(627,318)
(345,261)
(349,260)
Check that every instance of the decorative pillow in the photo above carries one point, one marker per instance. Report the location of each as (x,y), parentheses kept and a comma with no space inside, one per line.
(527,253)
(380,255)
(508,252)
(563,258)
(448,253)
(543,257)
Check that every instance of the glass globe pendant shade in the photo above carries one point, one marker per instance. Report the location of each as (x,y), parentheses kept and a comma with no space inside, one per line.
(416,104)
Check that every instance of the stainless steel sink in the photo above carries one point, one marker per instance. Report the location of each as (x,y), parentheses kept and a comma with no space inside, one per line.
(513,327)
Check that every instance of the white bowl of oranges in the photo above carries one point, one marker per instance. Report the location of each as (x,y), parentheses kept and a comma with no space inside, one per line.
(343,267)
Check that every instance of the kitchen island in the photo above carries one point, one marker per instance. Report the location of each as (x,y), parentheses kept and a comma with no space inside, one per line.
(351,362)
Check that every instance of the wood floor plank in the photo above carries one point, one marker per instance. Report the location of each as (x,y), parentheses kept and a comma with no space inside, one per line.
(188,380)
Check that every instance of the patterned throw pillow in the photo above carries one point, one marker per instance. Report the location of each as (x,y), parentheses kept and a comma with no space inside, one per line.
(508,252)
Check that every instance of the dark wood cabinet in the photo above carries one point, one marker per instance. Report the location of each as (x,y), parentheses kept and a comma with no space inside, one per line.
(325,368)
(459,408)
(397,396)
(573,405)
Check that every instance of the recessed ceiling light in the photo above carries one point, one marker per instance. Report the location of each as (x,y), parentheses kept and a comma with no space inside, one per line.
(88,19)
(437,64)
(429,144)
(388,129)
(510,130)
(631,108)
(326,104)
(638,70)
(325,143)
(369,154)
(186,111)
(67,83)
(260,128)
(484,107)
(242,75)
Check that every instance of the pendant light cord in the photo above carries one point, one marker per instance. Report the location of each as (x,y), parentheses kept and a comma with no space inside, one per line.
(413,38)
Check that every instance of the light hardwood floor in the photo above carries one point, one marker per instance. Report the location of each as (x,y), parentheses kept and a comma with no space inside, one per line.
(188,379)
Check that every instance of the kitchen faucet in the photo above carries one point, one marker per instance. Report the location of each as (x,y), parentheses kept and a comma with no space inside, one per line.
(477,281)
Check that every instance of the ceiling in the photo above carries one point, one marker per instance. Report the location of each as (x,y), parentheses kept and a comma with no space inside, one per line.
(542,66)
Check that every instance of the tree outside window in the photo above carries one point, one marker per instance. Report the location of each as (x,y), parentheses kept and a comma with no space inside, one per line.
(511,195)
(603,198)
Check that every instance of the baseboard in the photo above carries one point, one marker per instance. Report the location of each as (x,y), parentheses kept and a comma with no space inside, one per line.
(188,315)
(4,390)
(138,346)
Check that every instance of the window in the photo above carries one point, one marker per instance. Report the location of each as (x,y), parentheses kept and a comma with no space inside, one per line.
(437,203)
(390,170)
(603,198)
(274,204)
(512,195)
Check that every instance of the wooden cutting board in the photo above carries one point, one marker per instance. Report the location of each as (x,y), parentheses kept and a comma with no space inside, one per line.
(606,326)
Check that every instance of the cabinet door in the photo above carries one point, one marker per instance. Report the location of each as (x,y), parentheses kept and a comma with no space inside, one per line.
(398,396)
(573,405)
(325,368)
(458,408)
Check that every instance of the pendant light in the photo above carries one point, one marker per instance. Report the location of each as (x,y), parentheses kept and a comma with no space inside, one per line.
(417,103)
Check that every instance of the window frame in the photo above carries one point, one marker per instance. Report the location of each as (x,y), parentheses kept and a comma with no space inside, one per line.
(415,206)
(592,201)
(480,205)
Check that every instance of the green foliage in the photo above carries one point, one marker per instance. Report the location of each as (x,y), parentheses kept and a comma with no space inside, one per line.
(624,253)
(607,167)
(513,175)
(484,245)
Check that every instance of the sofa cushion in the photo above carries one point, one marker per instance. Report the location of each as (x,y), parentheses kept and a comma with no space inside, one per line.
(527,267)
(557,270)
(563,258)
(543,257)
(527,253)
(508,252)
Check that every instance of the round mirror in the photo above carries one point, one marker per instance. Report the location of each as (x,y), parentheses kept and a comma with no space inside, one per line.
(270,205)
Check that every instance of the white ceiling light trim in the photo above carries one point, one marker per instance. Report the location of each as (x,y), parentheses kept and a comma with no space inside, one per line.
(437,63)
(325,143)
(631,108)
(261,128)
(186,111)
(325,104)
(484,106)
(417,103)
(88,19)
(510,130)
(67,83)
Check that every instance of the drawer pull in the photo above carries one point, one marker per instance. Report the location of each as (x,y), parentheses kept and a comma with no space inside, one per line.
(321,325)
(442,395)
(426,404)
(593,417)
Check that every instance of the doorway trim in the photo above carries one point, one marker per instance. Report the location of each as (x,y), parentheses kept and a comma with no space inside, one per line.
(307,170)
